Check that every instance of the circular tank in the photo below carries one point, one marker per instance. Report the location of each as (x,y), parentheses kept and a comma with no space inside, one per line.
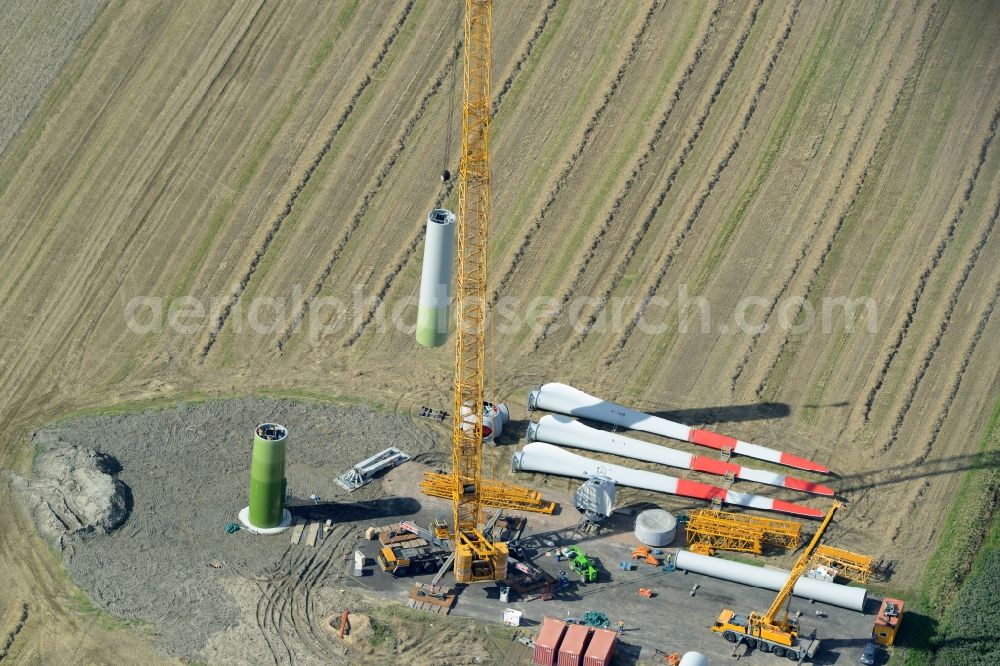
(656,527)
(693,659)
(267,476)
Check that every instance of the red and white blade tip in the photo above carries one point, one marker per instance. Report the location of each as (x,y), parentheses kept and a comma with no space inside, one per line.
(796,509)
(801,463)
(808,486)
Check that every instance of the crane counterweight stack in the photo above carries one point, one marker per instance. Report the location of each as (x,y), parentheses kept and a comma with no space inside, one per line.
(476,558)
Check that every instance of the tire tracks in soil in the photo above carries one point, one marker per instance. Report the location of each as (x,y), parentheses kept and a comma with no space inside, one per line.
(191,125)
(321,575)
(263,615)
(252,55)
(827,206)
(279,587)
(304,180)
(410,248)
(925,275)
(734,146)
(287,601)
(288,593)
(570,165)
(709,188)
(630,182)
(913,73)
(93,129)
(523,58)
(671,178)
(312,576)
(83,138)
(943,327)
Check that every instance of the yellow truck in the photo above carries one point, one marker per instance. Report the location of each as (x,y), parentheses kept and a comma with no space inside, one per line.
(399,560)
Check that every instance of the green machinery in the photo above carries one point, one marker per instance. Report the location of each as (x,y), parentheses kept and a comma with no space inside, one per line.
(267,476)
(581,564)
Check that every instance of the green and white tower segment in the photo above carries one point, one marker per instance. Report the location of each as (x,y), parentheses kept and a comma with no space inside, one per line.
(435,278)
(266,513)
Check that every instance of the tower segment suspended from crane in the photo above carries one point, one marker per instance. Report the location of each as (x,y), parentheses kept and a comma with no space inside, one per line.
(476,558)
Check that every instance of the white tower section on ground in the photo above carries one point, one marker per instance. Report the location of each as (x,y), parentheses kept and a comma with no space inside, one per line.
(834,594)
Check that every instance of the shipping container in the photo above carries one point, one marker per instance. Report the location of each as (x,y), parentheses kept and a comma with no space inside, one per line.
(547,645)
(601,649)
(573,645)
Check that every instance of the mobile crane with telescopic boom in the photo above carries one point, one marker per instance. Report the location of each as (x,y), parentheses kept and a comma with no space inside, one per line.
(768,632)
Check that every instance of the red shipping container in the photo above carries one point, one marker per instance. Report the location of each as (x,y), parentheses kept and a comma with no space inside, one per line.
(548,642)
(572,648)
(601,649)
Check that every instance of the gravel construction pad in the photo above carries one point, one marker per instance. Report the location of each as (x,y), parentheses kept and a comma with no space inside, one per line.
(188,468)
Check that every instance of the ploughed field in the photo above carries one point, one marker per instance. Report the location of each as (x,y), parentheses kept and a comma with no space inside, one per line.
(222,198)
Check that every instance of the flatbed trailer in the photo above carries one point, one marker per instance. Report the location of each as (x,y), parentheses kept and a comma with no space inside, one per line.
(404,561)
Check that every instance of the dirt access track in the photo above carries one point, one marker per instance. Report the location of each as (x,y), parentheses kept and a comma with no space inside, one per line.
(266,158)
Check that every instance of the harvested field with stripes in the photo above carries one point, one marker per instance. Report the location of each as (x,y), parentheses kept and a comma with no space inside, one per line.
(697,208)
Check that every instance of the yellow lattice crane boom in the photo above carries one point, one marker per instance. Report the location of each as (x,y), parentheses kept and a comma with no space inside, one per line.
(476,558)
(494,494)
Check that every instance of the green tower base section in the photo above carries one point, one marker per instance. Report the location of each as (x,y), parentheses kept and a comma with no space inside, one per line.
(432,326)
(267,476)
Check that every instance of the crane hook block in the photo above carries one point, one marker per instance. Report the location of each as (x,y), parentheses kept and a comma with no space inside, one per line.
(445,176)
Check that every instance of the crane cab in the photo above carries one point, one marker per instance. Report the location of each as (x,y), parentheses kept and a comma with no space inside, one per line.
(728,620)
(477,559)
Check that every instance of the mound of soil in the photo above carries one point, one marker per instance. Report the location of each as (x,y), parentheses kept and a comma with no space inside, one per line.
(74,490)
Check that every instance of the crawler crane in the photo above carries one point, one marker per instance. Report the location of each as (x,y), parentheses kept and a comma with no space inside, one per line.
(476,557)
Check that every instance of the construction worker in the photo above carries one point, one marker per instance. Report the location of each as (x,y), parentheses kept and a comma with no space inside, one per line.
(621,626)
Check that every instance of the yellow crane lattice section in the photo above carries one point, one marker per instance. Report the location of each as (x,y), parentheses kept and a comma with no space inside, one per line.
(852,566)
(495,494)
(709,530)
